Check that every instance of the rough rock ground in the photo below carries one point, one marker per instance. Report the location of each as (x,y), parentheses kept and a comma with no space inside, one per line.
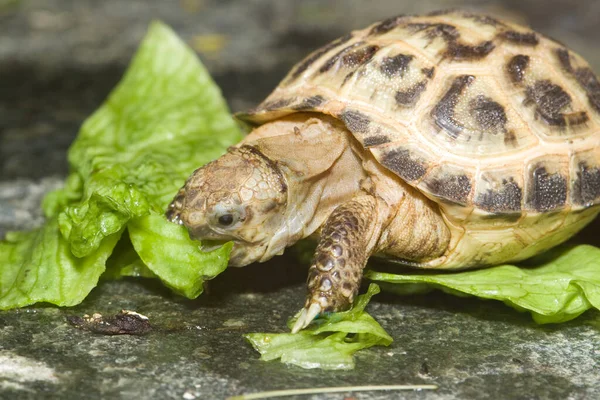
(59,59)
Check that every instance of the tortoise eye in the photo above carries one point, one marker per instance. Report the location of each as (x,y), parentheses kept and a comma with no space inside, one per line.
(226,216)
(225,219)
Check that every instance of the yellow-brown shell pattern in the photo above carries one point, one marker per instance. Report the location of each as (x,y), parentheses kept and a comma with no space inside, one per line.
(475,112)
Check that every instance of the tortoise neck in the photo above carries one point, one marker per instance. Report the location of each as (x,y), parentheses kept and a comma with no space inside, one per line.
(320,168)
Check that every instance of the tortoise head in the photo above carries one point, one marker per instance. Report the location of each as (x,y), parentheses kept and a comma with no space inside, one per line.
(241,197)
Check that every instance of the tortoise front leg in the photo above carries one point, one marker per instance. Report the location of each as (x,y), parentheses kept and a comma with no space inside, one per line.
(347,240)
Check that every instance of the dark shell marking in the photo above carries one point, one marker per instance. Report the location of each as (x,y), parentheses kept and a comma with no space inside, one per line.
(480,19)
(307,104)
(335,58)
(304,65)
(584,76)
(510,139)
(484,19)
(387,25)
(443,112)
(525,39)
(459,51)
(450,34)
(550,101)
(353,60)
(454,188)
(443,11)
(432,30)
(310,103)
(586,188)
(546,191)
(589,81)
(358,57)
(516,68)
(396,65)
(404,164)
(488,114)
(275,104)
(428,72)
(375,140)
(410,96)
(506,199)
(355,121)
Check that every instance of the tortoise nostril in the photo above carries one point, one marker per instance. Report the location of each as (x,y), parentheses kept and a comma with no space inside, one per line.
(173,212)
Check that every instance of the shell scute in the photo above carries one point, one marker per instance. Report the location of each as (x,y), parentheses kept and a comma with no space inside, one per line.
(406,160)
(585,177)
(547,185)
(449,183)
(501,190)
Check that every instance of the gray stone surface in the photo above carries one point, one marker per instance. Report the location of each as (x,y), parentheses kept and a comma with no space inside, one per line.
(59,59)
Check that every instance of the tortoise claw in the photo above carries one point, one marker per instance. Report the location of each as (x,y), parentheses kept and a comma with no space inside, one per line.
(306,317)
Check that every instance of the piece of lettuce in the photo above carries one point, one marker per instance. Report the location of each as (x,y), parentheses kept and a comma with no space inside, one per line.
(38,266)
(555,287)
(329,342)
(168,252)
(164,119)
(126,262)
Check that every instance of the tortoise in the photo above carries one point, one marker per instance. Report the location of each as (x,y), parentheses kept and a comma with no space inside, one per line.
(446,141)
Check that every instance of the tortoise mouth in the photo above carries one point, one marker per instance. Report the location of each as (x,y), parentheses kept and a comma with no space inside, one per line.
(208,245)
(174,215)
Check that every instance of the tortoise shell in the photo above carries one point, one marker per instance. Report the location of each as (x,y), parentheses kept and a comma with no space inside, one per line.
(480,115)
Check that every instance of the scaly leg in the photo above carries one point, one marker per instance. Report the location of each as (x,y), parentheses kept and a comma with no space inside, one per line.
(347,240)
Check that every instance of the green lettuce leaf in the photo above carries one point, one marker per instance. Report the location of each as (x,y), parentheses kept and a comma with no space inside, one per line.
(56,201)
(38,266)
(555,287)
(168,252)
(164,119)
(126,262)
(329,342)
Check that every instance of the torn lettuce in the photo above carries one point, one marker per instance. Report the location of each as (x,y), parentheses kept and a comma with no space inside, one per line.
(329,342)
(38,266)
(168,252)
(557,286)
(164,119)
